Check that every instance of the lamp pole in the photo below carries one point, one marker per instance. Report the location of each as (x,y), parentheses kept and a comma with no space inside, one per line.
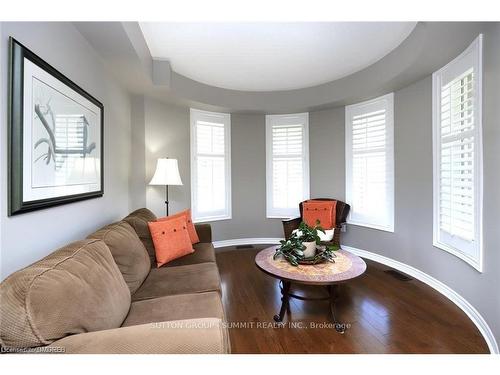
(166,198)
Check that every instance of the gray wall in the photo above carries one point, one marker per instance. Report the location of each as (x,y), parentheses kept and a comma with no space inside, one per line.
(248,174)
(167,134)
(411,242)
(137,191)
(327,153)
(28,237)
(413,181)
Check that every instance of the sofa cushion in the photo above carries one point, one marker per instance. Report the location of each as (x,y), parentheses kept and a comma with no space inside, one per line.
(76,289)
(139,221)
(176,307)
(128,252)
(166,281)
(171,239)
(187,336)
(203,252)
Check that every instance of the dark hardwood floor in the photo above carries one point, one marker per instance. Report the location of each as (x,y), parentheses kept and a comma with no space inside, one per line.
(386,315)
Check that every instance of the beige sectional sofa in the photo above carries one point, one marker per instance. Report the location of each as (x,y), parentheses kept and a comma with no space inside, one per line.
(104,294)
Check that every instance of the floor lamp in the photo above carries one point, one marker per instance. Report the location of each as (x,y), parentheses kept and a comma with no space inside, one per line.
(167,173)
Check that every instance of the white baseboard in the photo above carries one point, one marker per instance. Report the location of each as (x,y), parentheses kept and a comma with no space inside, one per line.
(247,241)
(445,290)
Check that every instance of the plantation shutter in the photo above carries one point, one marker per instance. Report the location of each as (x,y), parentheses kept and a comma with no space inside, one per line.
(370,163)
(456,164)
(458,156)
(288,165)
(210,159)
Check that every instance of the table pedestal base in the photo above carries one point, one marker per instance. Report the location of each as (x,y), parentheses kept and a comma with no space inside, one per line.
(285,302)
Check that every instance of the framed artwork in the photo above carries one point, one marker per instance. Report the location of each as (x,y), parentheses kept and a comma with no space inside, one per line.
(56,136)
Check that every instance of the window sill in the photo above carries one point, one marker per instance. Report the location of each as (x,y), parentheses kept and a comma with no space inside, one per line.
(475,263)
(210,219)
(372,226)
(281,217)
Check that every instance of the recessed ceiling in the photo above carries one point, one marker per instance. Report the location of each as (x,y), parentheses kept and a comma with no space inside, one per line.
(272,56)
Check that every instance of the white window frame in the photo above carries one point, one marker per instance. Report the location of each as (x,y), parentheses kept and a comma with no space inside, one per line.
(386,102)
(224,118)
(283,120)
(471,57)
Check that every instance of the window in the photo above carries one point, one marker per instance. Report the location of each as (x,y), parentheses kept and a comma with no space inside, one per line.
(370,163)
(287,163)
(210,166)
(458,156)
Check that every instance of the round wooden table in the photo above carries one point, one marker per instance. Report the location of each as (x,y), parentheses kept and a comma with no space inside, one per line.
(347,266)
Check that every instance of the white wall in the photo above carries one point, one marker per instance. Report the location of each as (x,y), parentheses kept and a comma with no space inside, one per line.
(28,237)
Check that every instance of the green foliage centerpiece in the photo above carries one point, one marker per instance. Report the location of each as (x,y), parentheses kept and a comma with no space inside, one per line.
(293,249)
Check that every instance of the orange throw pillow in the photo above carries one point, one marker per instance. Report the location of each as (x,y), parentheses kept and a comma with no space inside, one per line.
(324,211)
(171,239)
(190,226)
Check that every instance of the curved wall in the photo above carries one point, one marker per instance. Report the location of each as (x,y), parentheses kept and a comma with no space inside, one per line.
(166,129)
(411,242)
(430,46)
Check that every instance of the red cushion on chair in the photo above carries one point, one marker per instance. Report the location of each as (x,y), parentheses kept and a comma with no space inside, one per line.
(324,211)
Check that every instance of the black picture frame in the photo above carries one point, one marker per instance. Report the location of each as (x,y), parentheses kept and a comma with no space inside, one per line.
(17,205)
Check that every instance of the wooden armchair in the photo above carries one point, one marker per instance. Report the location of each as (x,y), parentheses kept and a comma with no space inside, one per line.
(341,212)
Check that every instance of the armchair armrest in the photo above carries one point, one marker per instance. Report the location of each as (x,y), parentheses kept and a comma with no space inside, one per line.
(336,235)
(190,336)
(204,232)
(289,225)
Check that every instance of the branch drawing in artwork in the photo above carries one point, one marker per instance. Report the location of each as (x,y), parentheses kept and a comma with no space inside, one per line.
(53,147)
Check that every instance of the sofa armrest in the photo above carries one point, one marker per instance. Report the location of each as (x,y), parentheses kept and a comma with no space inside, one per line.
(289,225)
(204,232)
(190,336)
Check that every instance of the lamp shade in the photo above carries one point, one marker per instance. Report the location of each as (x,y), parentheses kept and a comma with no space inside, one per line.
(167,173)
